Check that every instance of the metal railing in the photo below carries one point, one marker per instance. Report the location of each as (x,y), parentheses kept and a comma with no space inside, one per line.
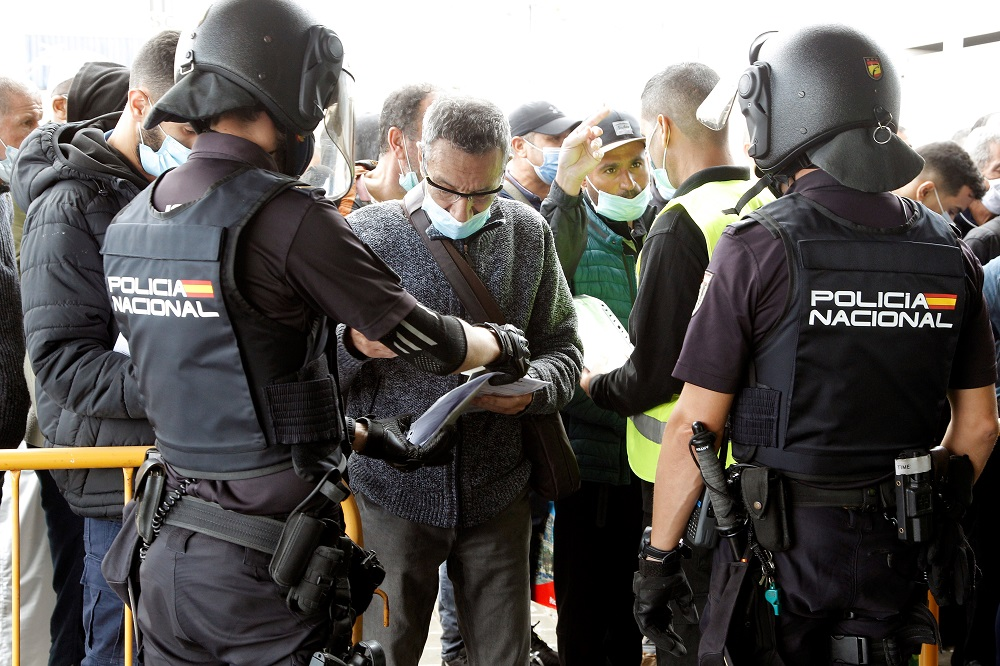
(106,457)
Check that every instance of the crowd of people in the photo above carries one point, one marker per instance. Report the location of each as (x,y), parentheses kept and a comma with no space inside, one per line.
(180,269)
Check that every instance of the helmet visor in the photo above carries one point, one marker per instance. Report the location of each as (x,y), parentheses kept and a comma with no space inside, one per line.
(714,112)
(335,141)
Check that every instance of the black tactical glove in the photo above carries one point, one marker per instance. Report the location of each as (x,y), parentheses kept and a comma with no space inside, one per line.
(655,585)
(514,354)
(947,558)
(386,440)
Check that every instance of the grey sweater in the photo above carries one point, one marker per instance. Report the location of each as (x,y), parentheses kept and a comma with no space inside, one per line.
(515,256)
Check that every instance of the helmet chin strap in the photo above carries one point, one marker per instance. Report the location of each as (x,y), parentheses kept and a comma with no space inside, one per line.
(298,153)
(766,181)
(294,151)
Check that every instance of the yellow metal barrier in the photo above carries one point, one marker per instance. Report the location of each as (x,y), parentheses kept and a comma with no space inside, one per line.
(127,458)
(929,653)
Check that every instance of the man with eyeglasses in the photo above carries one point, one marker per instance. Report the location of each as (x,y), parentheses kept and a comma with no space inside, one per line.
(537,131)
(473,512)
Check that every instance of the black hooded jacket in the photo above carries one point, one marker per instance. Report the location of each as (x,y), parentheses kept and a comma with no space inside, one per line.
(72,184)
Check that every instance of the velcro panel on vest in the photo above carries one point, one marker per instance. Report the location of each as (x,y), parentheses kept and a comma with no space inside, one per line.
(755,417)
(304,412)
(306,409)
(922,258)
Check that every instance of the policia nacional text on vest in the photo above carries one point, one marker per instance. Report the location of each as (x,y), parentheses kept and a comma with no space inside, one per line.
(705,205)
(196,338)
(854,297)
(193,335)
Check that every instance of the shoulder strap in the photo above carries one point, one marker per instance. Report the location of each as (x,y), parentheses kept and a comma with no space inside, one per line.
(470,289)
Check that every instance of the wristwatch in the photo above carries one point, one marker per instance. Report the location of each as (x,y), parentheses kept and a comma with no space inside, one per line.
(656,562)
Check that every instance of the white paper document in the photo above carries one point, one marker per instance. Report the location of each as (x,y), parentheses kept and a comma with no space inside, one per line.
(454,403)
(605,341)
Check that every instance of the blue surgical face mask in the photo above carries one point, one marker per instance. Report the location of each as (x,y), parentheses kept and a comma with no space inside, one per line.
(660,177)
(944,211)
(7,163)
(619,208)
(550,163)
(446,223)
(407,180)
(172,153)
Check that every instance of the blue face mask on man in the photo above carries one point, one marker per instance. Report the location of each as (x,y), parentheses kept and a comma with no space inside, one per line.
(407,180)
(619,208)
(550,163)
(446,223)
(172,153)
(7,163)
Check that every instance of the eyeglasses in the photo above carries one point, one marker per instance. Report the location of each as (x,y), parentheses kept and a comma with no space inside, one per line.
(446,197)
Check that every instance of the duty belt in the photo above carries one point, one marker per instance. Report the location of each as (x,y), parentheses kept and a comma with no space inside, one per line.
(875,497)
(257,532)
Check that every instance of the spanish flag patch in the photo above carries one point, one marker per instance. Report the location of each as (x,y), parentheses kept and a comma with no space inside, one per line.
(940,301)
(203,289)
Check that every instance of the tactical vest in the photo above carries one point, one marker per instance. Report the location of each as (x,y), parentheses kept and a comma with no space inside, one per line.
(227,389)
(704,205)
(857,368)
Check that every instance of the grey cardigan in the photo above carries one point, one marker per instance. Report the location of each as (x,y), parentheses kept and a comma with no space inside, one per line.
(515,256)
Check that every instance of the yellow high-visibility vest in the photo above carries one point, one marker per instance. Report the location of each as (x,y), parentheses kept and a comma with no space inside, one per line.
(705,205)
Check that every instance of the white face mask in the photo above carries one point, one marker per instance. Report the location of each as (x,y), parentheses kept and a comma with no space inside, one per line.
(7,163)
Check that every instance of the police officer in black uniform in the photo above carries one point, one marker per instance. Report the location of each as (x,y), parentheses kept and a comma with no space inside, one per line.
(834,327)
(228,276)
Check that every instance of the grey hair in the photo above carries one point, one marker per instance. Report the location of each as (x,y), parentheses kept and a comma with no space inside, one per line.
(10,89)
(978,143)
(677,92)
(473,125)
(401,109)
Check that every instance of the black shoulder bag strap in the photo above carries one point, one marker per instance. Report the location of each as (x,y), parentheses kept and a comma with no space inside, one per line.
(470,289)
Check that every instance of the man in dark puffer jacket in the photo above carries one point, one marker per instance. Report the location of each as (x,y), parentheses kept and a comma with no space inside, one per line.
(73,179)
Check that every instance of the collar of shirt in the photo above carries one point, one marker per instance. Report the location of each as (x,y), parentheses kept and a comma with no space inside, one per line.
(870,209)
(711,175)
(536,202)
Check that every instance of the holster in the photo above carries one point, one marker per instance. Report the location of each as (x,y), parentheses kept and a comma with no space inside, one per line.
(120,565)
(738,625)
(149,488)
(765,498)
(319,563)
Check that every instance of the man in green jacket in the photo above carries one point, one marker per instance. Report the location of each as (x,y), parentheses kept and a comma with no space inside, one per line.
(596,208)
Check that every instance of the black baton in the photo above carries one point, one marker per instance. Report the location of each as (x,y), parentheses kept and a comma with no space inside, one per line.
(713,472)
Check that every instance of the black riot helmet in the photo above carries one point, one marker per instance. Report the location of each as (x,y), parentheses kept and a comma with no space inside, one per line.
(829,96)
(271,52)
